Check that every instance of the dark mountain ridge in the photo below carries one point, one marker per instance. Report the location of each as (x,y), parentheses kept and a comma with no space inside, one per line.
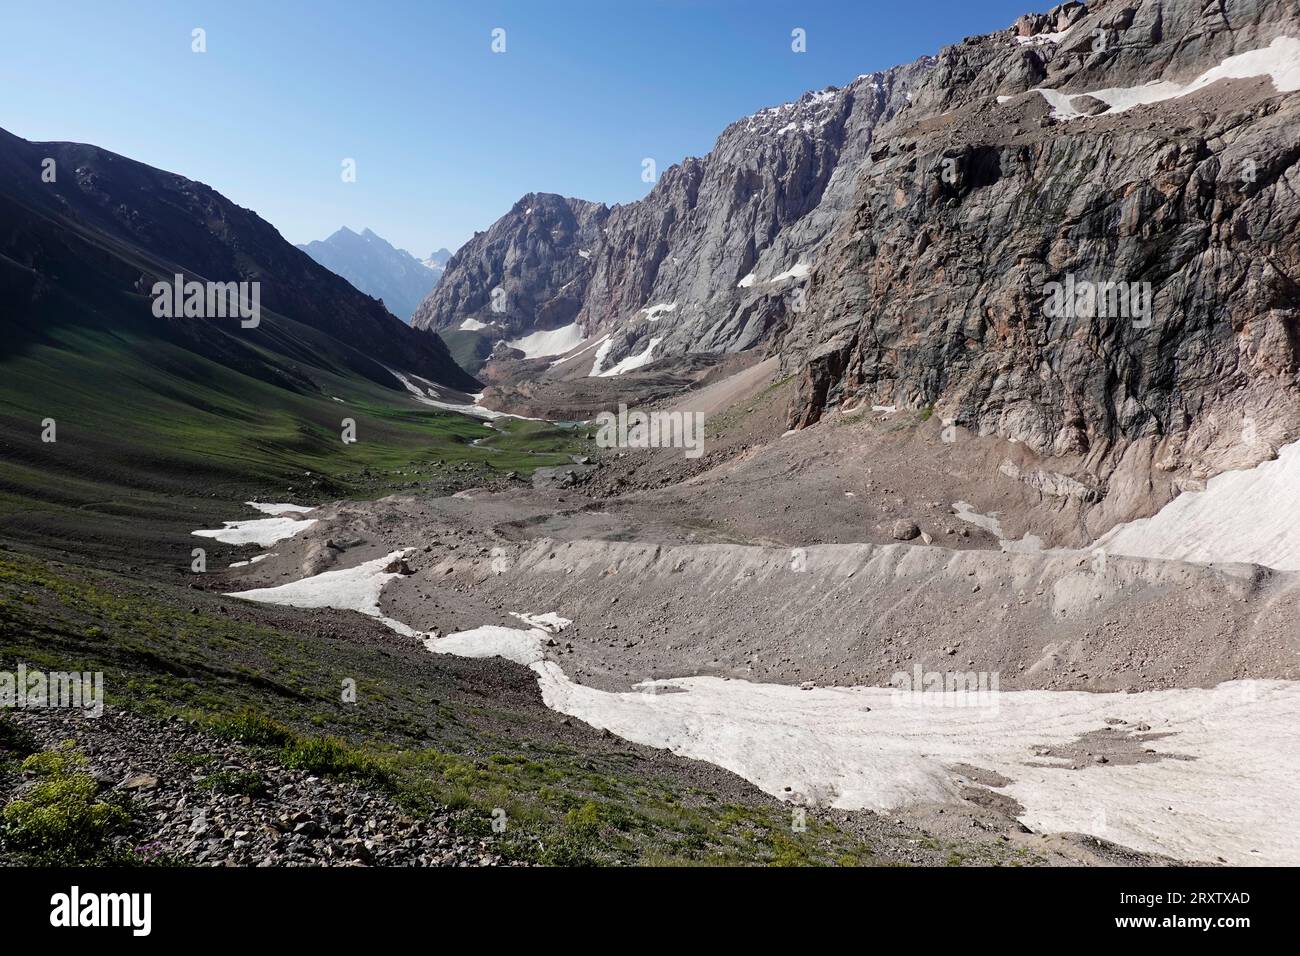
(89,246)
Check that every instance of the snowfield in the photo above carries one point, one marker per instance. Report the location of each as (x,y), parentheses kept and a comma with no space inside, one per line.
(1206,774)
(263,532)
(551,342)
(349,589)
(424,397)
(278,509)
(1225,783)
(631,363)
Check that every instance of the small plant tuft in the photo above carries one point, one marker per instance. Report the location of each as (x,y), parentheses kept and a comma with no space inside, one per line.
(57,821)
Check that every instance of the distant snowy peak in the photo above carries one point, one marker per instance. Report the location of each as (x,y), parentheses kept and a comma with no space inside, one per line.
(437,261)
(374,266)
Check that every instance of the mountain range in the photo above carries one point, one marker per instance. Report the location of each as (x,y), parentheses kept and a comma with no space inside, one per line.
(891,242)
(378,269)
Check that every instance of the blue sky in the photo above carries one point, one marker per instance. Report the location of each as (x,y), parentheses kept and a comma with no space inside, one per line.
(445,133)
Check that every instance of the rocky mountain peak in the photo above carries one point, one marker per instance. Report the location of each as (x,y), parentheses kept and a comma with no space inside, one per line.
(892,240)
(754,207)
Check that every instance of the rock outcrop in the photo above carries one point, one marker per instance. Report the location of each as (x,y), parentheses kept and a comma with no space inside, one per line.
(937,289)
(708,261)
(527,273)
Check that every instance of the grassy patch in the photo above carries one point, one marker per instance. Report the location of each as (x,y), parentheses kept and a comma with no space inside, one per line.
(57,821)
(183,434)
(243,783)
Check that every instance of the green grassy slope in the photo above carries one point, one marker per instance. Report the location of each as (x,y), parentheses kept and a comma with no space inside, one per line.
(150,431)
(469,349)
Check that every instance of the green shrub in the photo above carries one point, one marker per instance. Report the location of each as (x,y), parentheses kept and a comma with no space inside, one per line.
(57,819)
(244,783)
(578,844)
(568,850)
(330,756)
(250,727)
(584,822)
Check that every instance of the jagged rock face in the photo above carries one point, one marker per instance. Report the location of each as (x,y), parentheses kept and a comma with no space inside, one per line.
(534,257)
(773,187)
(753,209)
(934,289)
(896,241)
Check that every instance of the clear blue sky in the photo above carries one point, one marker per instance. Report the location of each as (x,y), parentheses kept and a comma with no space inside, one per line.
(445,133)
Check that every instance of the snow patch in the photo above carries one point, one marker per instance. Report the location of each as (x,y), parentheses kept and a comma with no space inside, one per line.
(628,364)
(654,312)
(550,621)
(1279,61)
(278,509)
(1250,516)
(253,560)
(602,353)
(583,351)
(549,342)
(350,589)
(475,411)
(262,532)
(799,270)
(472,325)
(522,647)
(1040,39)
